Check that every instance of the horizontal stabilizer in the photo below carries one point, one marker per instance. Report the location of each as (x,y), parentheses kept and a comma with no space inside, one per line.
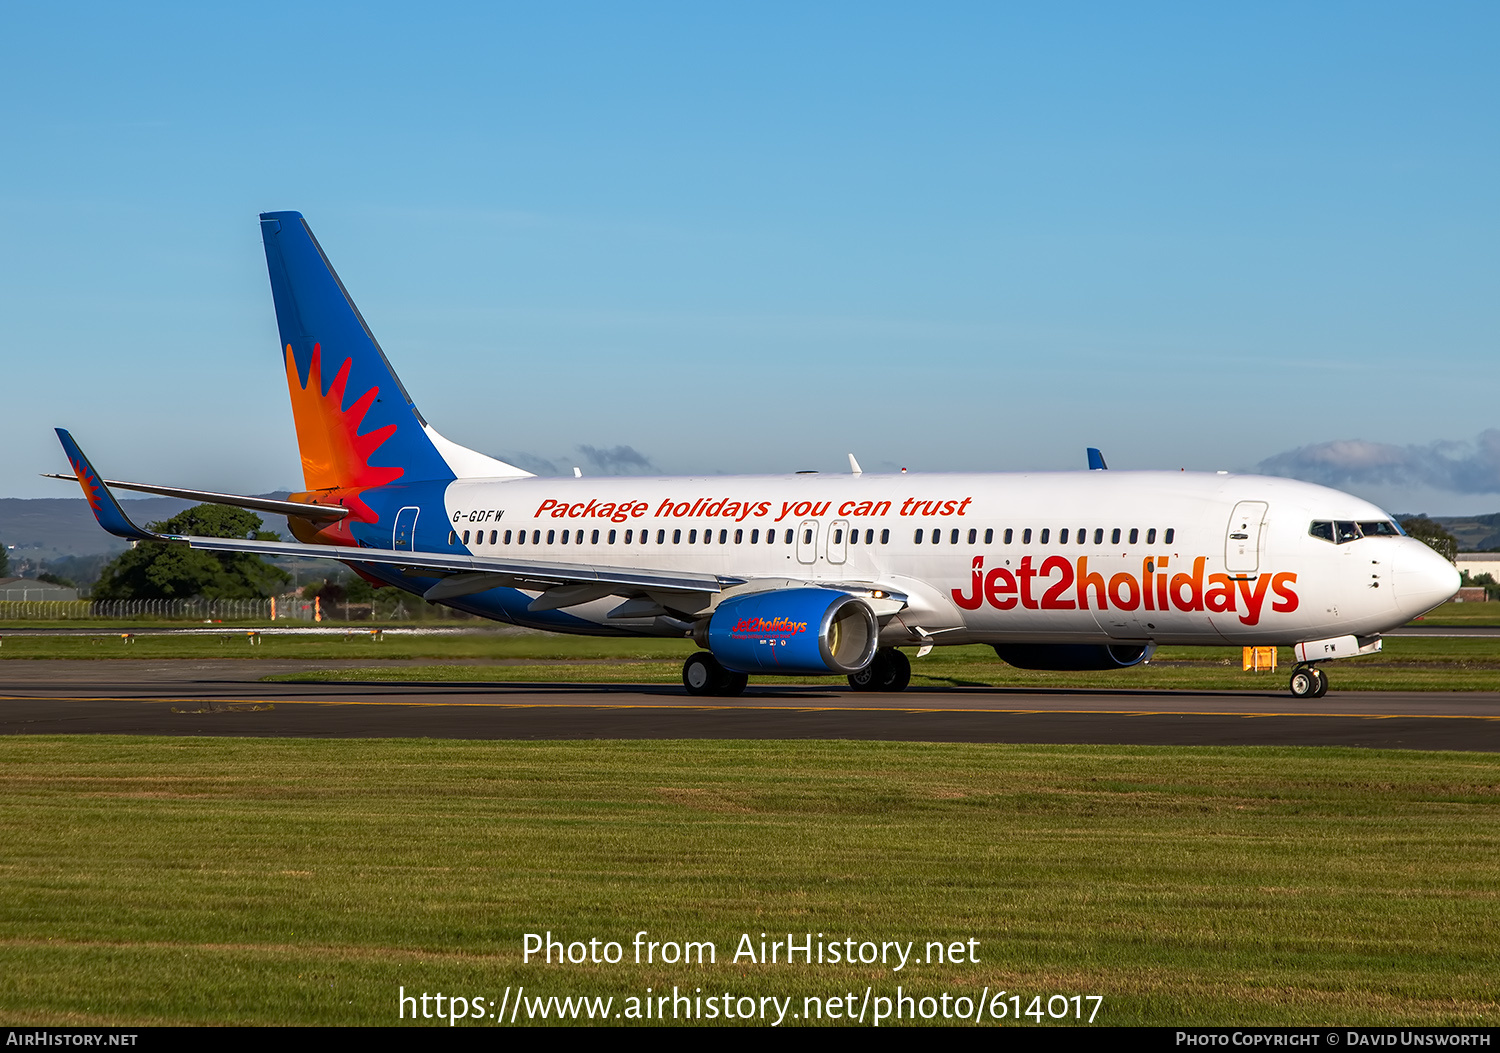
(255,504)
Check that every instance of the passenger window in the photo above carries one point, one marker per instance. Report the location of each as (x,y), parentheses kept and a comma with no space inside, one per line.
(755,537)
(594,538)
(1098,535)
(1151,536)
(807,537)
(661,537)
(739,537)
(708,537)
(1045,534)
(789,536)
(1009,534)
(549,537)
(1062,536)
(917,537)
(1114,536)
(1026,536)
(838,537)
(507,537)
(692,537)
(723,537)
(937,535)
(1135,535)
(628,535)
(1171,533)
(566,535)
(973,535)
(885,537)
(989,535)
(677,537)
(520,537)
(611,537)
(953,540)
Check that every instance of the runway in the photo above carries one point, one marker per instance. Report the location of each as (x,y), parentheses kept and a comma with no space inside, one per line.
(228,698)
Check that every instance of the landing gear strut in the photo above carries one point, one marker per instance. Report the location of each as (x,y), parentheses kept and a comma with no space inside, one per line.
(889,670)
(1308,681)
(703,675)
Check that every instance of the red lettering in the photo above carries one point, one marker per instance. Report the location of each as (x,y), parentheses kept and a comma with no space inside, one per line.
(1194,583)
(1253,600)
(1087,579)
(1000,589)
(1125,591)
(1220,595)
(549,503)
(974,602)
(1280,585)
(1025,574)
(1053,600)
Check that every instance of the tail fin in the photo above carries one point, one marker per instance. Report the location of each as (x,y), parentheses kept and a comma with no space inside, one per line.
(356,425)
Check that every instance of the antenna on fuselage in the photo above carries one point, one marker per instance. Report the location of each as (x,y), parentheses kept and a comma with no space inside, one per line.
(577,472)
(854,466)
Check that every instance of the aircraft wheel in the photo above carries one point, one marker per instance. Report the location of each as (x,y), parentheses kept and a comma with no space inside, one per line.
(1322,678)
(1305,682)
(733,685)
(703,675)
(889,670)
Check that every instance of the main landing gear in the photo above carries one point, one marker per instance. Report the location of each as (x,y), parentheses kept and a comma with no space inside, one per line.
(1308,681)
(703,675)
(889,670)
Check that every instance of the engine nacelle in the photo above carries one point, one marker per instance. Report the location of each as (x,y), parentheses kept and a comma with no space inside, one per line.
(793,631)
(1062,657)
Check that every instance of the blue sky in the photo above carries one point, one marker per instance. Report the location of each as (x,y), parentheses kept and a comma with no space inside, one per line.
(750,240)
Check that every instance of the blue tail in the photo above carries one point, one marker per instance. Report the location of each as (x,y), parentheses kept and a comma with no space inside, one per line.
(356,424)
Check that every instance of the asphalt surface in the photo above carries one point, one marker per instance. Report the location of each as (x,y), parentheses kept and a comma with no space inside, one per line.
(228,698)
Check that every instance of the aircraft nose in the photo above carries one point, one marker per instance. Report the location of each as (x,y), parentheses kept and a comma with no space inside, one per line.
(1423,579)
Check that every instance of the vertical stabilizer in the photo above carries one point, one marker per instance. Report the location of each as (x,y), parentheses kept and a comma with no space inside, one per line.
(356,425)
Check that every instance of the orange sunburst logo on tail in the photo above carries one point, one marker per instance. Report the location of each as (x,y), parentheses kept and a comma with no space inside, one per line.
(334,454)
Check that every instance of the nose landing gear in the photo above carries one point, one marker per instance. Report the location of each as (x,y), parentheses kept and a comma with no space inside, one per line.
(1308,681)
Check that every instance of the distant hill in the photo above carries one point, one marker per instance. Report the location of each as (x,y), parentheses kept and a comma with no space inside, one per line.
(1474,533)
(50,527)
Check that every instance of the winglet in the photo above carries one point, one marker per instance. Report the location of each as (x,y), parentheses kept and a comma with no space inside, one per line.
(101,502)
(1096,460)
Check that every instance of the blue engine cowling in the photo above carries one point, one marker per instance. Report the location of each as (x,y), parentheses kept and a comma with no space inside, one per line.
(798,631)
(1061,657)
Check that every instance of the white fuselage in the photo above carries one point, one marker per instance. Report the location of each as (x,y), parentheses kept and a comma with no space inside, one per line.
(1100,556)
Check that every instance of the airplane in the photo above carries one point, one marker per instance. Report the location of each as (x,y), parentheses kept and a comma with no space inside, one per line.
(811,573)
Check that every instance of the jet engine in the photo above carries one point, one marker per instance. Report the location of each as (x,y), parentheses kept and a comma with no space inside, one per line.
(1074,656)
(792,631)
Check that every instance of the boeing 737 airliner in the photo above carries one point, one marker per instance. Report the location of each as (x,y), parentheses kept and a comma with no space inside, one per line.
(808,573)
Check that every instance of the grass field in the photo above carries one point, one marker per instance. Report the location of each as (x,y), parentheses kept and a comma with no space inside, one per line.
(291,881)
(1410,664)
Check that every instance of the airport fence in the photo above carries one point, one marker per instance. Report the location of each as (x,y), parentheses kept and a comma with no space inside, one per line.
(283,608)
(183,609)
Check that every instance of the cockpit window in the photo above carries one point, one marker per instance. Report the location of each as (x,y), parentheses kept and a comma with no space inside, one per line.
(1342,531)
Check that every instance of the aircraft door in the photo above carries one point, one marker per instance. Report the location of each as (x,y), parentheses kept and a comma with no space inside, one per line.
(807,541)
(838,541)
(406,527)
(1245,538)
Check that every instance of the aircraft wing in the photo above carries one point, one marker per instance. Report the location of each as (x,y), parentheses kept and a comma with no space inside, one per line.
(477,573)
